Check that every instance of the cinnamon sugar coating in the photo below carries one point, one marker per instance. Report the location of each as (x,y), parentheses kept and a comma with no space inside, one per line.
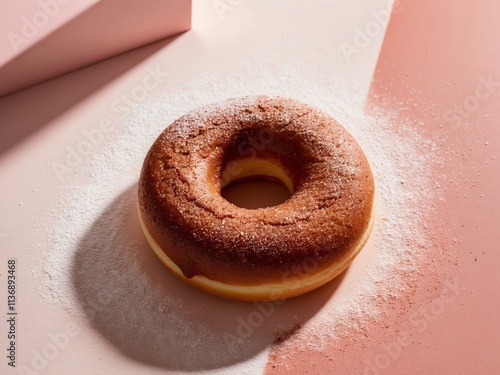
(203,234)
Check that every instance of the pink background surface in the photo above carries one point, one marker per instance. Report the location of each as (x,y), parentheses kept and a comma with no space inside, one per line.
(433,57)
(435,54)
(443,66)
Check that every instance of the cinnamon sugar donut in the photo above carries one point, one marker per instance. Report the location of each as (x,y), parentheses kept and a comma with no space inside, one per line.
(256,254)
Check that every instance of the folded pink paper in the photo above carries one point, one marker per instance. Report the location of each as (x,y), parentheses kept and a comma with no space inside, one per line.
(46,38)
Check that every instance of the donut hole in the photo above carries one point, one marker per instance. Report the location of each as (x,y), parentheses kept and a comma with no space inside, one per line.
(254,193)
(255,183)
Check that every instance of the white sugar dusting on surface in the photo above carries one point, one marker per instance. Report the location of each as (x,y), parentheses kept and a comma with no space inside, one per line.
(125,294)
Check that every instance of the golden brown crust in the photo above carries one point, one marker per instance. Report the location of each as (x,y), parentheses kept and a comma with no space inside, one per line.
(304,277)
(203,234)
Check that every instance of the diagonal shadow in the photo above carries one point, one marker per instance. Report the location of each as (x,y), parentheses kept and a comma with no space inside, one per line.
(104,29)
(154,318)
(28,110)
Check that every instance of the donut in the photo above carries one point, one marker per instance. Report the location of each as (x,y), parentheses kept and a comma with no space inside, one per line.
(263,254)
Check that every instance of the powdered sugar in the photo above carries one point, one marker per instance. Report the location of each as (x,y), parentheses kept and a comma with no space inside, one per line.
(116,282)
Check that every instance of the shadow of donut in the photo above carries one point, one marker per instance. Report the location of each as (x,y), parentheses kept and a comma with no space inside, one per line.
(132,300)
